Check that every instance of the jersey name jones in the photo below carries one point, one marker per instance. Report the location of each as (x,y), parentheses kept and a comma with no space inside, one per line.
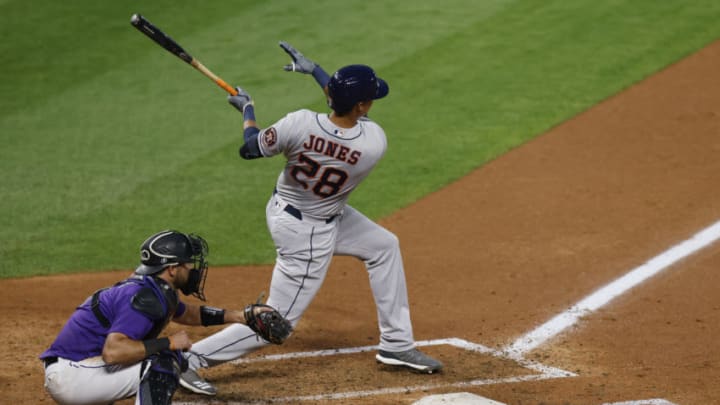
(332,149)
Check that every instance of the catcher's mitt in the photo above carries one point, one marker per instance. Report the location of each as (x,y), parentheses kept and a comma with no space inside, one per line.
(267,322)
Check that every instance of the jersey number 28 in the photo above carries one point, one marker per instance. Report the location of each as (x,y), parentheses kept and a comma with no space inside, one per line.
(330,179)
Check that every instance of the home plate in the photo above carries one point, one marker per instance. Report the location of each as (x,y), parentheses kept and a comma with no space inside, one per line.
(463,398)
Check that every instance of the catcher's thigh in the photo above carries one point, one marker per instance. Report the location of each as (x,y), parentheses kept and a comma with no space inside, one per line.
(90,382)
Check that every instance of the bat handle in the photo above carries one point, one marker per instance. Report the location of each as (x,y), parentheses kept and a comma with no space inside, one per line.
(220,82)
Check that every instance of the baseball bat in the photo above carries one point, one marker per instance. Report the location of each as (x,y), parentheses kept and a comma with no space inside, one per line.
(154,33)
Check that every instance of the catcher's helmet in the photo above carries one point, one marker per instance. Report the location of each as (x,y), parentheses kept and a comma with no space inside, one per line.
(170,248)
(353,84)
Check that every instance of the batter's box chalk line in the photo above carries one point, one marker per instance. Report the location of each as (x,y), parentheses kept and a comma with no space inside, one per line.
(543,372)
(526,343)
(643,402)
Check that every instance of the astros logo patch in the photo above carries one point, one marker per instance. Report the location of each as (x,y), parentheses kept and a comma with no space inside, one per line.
(269,137)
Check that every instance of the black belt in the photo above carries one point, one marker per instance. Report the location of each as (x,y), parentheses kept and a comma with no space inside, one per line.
(49,360)
(298,214)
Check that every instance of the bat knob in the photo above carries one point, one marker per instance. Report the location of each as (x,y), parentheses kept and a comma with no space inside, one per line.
(135,19)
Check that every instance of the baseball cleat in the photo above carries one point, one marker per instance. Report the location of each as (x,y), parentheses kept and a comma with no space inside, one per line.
(192,381)
(412,358)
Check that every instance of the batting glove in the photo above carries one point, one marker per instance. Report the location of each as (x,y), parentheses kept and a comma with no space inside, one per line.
(300,63)
(241,100)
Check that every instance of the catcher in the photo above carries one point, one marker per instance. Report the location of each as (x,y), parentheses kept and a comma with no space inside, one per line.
(110,347)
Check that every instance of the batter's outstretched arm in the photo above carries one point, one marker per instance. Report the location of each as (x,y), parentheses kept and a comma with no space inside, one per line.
(304,65)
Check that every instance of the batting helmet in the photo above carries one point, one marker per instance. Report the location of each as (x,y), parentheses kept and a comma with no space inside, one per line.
(353,84)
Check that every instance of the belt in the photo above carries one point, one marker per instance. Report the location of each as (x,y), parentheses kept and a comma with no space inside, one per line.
(298,214)
(48,361)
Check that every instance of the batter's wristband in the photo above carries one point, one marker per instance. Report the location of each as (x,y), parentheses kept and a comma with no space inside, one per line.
(320,76)
(249,112)
(211,316)
(153,346)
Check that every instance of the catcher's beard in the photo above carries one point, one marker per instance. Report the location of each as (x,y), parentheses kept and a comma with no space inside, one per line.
(195,283)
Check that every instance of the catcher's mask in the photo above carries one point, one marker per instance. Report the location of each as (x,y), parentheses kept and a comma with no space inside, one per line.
(171,248)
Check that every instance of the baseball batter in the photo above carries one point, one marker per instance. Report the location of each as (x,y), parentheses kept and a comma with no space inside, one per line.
(328,156)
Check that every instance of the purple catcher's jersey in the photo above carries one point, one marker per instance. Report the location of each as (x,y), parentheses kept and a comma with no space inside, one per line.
(324,162)
(83,336)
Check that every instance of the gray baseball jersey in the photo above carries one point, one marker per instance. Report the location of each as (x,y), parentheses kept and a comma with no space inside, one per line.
(324,162)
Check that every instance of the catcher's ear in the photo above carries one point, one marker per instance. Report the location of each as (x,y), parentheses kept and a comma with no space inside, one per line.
(172,270)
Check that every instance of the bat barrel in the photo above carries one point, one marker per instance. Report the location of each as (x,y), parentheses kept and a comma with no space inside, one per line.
(157,35)
(162,39)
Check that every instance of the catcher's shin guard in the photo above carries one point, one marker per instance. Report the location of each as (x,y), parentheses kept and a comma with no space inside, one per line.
(159,380)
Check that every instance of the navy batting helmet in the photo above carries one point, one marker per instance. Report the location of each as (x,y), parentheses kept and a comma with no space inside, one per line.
(353,84)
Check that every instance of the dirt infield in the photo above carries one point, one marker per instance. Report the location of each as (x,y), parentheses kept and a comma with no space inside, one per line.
(490,258)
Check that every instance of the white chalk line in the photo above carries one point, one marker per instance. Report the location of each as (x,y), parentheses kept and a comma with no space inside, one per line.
(383,391)
(599,298)
(521,346)
(456,342)
(545,372)
(657,401)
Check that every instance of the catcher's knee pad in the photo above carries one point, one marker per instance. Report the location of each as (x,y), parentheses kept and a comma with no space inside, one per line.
(160,379)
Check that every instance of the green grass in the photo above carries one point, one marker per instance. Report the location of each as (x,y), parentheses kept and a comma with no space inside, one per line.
(106,138)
